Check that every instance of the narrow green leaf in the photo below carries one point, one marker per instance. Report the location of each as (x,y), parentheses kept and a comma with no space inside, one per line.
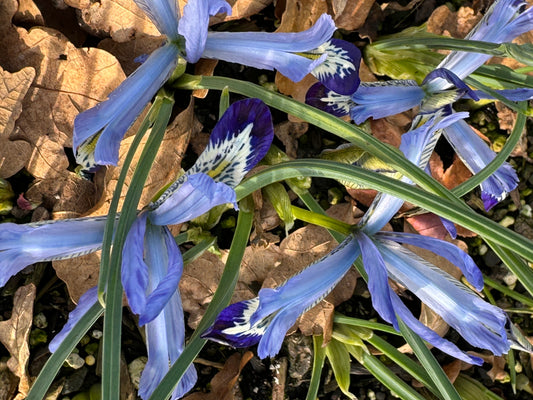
(375,326)
(224,102)
(339,359)
(321,220)
(221,299)
(434,370)
(56,360)
(319,355)
(507,291)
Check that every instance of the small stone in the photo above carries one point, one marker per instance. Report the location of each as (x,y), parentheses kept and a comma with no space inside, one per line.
(135,368)
(40,321)
(90,360)
(38,336)
(75,361)
(507,221)
(527,211)
(97,334)
(510,279)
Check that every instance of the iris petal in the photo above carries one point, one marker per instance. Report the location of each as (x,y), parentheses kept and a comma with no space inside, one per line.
(163,13)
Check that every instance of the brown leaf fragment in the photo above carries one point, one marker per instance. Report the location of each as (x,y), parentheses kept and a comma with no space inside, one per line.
(222,384)
(296,90)
(443,21)
(8,382)
(351,14)
(14,335)
(28,13)
(79,273)
(289,133)
(300,15)
(204,67)
(120,19)
(13,153)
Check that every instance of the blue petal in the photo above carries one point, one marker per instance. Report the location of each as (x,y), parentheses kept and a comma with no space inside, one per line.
(134,270)
(378,281)
(382,99)
(475,154)
(480,323)
(163,13)
(452,78)
(429,335)
(22,245)
(194,23)
(165,268)
(329,101)
(340,70)
(520,94)
(108,121)
(87,300)
(238,142)
(188,198)
(449,226)
(273,50)
(444,249)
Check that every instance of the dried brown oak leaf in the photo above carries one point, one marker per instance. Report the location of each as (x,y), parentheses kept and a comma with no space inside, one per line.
(14,335)
(443,21)
(164,169)
(223,383)
(120,19)
(13,153)
(68,80)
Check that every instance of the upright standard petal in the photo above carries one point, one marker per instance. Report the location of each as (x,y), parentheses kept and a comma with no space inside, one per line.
(267,318)
(505,20)
(164,14)
(87,300)
(480,323)
(238,142)
(334,62)
(194,23)
(188,198)
(99,130)
(22,245)
(476,154)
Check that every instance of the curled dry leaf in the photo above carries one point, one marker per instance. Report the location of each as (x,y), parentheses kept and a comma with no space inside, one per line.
(68,80)
(165,168)
(351,14)
(443,21)
(28,13)
(13,153)
(289,133)
(223,383)
(120,19)
(14,335)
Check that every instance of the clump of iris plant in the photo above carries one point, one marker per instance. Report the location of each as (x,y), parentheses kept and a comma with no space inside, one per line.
(152,263)
(99,130)
(504,21)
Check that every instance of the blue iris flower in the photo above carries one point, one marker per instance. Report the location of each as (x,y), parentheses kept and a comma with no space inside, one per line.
(505,20)
(265,319)
(152,263)
(99,130)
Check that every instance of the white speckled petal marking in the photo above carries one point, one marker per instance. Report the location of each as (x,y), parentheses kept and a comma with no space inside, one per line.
(338,62)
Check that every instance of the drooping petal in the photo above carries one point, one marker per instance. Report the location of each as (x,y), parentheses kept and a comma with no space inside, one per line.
(165,263)
(22,245)
(520,94)
(238,142)
(188,198)
(480,323)
(443,248)
(194,23)
(102,127)
(87,300)
(273,50)
(505,20)
(381,99)
(429,335)
(340,70)
(268,317)
(134,271)
(329,101)
(476,154)
(378,281)
(163,13)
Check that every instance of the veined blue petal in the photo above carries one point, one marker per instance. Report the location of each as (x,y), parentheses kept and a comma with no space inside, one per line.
(273,50)
(381,99)
(87,300)
(429,335)
(267,318)
(445,249)
(163,13)
(165,265)
(189,197)
(108,121)
(22,245)
(329,101)
(134,270)
(194,23)
(480,323)
(476,154)
(520,94)
(505,20)
(449,226)
(238,142)
(378,280)
(340,70)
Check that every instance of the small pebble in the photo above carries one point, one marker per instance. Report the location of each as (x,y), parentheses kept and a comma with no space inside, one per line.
(75,361)
(40,321)
(96,334)
(90,360)
(135,368)
(510,279)
(507,221)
